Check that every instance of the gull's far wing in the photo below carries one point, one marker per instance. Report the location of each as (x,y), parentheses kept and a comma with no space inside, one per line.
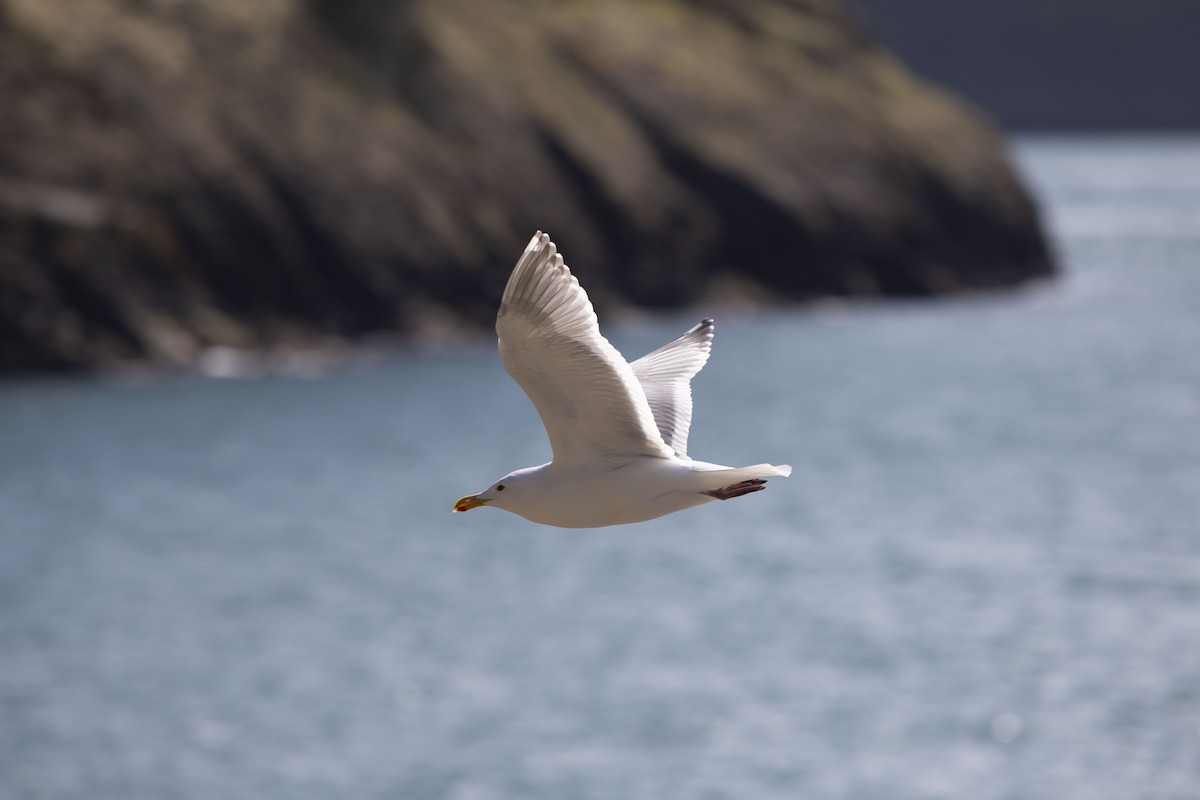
(587,395)
(666,377)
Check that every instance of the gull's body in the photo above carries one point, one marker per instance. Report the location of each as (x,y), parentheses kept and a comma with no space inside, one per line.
(618,431)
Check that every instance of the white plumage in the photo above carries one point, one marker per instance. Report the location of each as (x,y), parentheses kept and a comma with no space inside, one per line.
(666,377)
(618,431)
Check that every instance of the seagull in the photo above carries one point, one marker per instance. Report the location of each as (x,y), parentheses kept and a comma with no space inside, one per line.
(618,431)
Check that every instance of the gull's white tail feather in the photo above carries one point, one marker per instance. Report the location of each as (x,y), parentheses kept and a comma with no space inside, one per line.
(715,476)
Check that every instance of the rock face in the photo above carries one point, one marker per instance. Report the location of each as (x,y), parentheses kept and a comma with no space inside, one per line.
(179,174)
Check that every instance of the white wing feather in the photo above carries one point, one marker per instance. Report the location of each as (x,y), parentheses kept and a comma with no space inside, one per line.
(666,377)
(586,393)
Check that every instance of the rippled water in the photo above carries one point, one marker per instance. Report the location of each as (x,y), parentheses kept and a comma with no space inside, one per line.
(983,579)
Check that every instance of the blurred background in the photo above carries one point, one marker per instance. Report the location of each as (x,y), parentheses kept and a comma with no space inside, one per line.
(250,256)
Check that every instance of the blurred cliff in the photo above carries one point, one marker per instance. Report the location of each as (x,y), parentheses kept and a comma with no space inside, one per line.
(1065,65)
(179,174)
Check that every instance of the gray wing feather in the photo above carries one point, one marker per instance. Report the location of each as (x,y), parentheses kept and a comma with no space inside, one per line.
(666,378)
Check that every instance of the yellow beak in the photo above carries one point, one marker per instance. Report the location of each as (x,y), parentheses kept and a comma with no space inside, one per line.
(468,502)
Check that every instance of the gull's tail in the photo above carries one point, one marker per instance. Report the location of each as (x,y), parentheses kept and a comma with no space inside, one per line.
(725,483)
(715,476)
(758,471)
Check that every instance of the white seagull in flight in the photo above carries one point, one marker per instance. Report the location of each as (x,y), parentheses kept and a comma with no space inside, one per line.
(618,431)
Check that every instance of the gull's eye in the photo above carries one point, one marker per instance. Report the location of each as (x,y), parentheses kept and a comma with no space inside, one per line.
(499,487)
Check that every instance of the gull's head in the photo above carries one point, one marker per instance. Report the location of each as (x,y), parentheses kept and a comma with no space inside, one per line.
(506,493)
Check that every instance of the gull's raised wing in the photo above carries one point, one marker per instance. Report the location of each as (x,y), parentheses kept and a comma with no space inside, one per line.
(586,393)
(666,378)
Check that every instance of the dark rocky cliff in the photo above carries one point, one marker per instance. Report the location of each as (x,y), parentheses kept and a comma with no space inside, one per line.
(178,175)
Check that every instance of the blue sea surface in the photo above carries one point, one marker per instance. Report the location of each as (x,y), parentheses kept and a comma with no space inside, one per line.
(982,580)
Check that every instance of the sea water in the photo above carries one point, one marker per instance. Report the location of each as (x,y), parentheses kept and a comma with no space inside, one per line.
(982,580)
